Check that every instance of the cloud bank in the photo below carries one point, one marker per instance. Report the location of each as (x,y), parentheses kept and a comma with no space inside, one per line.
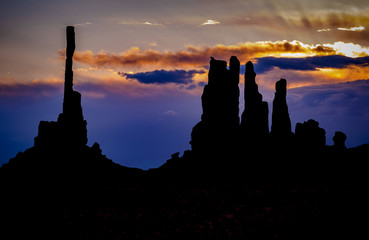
(197,56)
(309,63)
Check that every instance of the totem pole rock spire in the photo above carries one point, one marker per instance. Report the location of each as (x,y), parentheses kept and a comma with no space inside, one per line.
(72,116)
(70,131)
(68,84)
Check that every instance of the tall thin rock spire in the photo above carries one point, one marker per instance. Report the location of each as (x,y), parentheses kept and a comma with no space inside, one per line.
(68,84)
(254,121)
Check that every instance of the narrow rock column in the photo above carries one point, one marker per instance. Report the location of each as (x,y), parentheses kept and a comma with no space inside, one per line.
(254,121)
(68,83)
(69,132)
(281,123)
(71,120)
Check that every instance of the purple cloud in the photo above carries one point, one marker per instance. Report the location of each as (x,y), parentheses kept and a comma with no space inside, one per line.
(309,63)
(163,76)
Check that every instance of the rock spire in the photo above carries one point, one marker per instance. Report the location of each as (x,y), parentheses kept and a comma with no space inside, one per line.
(254,121)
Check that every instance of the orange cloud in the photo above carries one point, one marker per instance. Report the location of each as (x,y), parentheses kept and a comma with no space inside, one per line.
(105,83)
(194,56)
(299,78)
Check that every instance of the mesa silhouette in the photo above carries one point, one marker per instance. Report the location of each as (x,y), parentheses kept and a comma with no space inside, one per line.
(220,143)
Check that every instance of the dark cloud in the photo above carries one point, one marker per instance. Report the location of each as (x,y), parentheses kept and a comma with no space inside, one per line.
(163,76)
(201,84)
(309,63)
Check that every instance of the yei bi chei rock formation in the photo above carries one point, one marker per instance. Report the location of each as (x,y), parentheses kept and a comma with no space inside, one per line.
(221,133)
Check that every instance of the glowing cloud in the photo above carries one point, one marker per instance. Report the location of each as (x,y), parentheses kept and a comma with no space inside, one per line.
(210,22)
(198,56)
(152,24)
(324,30)
(352,29)
(147,23)
(349,49)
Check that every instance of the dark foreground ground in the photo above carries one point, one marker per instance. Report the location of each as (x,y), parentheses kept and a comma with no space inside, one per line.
(279,198)
(154,210)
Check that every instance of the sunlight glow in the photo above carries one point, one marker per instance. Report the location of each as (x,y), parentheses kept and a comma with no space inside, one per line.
(352,29)
(349,49)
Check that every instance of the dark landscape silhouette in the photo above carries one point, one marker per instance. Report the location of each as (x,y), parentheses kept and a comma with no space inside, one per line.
(240,179)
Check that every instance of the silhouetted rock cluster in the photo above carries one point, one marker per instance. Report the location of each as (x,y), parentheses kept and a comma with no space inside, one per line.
(220,134)
(310,136)
(219,141)
(150,205)
(219,123)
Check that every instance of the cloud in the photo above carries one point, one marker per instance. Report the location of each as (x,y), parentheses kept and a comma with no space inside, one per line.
(33,89)
(163,76)
(299,78)
(308,24)
(352,29)
(97,89)
(210,22)
(337,107)
(349,99)
(147,23)
(324,30)
(152,24)
(309,63)
(82,24)
(349,49)
(196,56)
(328,95)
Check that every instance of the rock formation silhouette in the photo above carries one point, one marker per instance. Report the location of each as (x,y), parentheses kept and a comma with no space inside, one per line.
(281,194)
(217,131)
(60,147)
(254,121)
(219,140)
(280,133)
(220,134)
(69,132)
(310,137)
(339,140)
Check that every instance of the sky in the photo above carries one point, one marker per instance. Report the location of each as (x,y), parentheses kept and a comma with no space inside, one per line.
(141,66)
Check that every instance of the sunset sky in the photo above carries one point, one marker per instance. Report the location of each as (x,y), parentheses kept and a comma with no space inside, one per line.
(141,66)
